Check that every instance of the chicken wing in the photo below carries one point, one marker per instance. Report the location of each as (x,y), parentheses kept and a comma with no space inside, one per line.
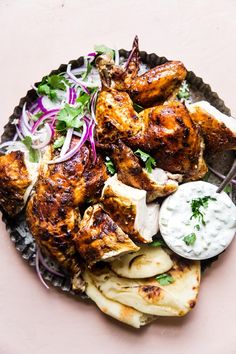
(52,213)
(172,138)
(99,238)
(129,171)
(15,181)
(153,87)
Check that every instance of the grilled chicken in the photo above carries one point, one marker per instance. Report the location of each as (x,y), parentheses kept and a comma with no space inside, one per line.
(53,211)
(151,88)
(156,85)
(127,207)
(99,238)
(17,176)
(218,129)
(129,171)
(115,116)
(172,138)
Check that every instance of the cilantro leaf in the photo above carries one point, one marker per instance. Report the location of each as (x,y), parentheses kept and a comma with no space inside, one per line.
(184,92)
(190,239)
(102,49)
(197,205)
(149,161)
(59,142)
(87,72)
(83,99)
(50,85)
(69,117)
(157,243)
(165,279)
(197,227)
(110,166)
(33,154)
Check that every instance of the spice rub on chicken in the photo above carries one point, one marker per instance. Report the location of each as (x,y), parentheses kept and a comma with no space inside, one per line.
(172,138)
(99,238)
(53,212)
(158,183)
(16,178)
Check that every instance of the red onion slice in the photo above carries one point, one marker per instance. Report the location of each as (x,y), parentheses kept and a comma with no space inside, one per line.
(77,81)
(220,175)
(67,142)
(38,269)
(47,134)
(76,148)
(44,264)
(47,115)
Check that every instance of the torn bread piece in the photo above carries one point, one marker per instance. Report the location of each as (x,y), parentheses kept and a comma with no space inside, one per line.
(115,309)
(129,171)
(147,262)
(218,129)
(99,238)
(127,207)
(151,296)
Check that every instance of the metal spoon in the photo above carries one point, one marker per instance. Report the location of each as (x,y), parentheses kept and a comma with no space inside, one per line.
(231,174)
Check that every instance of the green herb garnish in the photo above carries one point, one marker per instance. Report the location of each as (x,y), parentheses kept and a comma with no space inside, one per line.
(228,189)
(149,161)
(50,85)
(197,205)
(184,92)
(102,49)
(138,108)
(157,243)
(59,142)
(69,117)
(33,154)
(83,100)
(197,227)
(190,239)
(88,70)
(110,166)
(165,279)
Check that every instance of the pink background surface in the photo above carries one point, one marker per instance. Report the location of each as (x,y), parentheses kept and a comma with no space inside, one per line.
(35,37)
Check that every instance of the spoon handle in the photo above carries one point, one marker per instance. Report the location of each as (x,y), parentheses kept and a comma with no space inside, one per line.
(228,178)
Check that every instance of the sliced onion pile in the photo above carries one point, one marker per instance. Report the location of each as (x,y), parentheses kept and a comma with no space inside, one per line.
(42,130)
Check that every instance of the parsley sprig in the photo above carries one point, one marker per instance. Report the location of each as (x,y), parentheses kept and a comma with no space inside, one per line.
(149,160)
(110,166)
(190,239)
(165,279)
(33,153)
(197,206)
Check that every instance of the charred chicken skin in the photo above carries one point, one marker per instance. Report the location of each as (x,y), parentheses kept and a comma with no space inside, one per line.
(130,172)
(14,181)
(115,116)
(170,136)
(53,211)
(99,238)
(149,89)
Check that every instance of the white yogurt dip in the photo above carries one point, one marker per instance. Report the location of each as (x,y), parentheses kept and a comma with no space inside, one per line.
(201,234)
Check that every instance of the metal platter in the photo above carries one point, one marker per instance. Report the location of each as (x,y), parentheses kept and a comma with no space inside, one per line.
(17,227)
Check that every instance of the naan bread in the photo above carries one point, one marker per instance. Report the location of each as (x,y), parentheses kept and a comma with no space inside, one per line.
(148,295)
(145,263)
(114,309)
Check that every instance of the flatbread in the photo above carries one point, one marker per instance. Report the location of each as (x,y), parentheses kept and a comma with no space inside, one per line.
(115,309)
(148,295)
(145,263)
